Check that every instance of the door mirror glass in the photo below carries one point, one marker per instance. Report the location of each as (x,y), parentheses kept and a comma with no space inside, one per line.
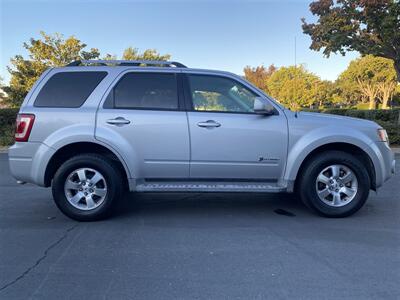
(263,107)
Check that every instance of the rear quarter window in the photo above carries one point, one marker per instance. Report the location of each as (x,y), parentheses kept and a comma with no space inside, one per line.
(68,89)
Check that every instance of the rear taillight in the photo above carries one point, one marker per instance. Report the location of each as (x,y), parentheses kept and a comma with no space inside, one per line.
(23,127)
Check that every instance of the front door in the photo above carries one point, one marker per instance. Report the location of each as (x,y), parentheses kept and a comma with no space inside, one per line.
(228,140)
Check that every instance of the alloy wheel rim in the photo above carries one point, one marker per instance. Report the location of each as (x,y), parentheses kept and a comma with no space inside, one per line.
(85,188)
(336,185)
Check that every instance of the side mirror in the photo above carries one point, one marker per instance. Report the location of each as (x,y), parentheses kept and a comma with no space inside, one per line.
(263,107)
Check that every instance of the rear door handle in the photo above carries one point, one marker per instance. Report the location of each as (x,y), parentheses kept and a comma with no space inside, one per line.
(208,124)
(119,121)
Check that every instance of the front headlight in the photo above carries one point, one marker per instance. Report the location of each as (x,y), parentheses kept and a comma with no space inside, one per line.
(382,134)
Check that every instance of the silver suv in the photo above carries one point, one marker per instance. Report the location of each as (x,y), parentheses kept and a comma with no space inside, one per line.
(93,130)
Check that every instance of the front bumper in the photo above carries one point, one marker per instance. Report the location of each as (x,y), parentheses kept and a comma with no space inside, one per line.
(393,166)
(387,163)
(28,161)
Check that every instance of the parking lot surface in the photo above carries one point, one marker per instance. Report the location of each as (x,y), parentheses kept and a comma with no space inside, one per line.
(198,246)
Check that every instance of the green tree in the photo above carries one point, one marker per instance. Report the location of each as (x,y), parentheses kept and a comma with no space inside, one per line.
(2,94)
(149,54)
(349,92)
(47,51)
(373,77)
(259,75)
(109,57)
(396,97)
(366,26)
(386,92)
(327,94)
(54,51)
(208,100)
(294,87)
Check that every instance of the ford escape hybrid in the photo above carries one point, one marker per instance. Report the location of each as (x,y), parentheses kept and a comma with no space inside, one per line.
(94,129)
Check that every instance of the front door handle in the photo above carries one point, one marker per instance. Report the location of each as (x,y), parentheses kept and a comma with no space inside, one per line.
(208,124)
(119,121)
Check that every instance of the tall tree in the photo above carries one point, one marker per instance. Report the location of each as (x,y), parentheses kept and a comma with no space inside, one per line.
(109,57)
(327,94)
(294,86)
(373,76)
(366,26)
(148,54)
(386,92)
(2,94)
(349,92)
(47,51)
(53,51)
(259,75)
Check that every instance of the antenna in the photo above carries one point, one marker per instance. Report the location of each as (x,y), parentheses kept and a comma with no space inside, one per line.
(295,72)
(295,52)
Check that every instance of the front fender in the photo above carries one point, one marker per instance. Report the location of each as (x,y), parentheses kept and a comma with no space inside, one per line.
(305,144)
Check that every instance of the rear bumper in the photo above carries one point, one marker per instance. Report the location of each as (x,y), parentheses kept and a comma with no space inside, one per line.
(28,161)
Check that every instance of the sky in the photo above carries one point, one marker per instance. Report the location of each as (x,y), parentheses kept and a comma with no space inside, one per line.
(223,35)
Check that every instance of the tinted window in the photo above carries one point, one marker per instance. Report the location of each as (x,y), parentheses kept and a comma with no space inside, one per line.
(68,89)
(216,93)
(146,91)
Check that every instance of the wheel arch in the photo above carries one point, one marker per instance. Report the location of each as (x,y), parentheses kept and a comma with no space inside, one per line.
(352,149)
(69,150)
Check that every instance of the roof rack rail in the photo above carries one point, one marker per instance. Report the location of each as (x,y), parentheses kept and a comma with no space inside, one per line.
(127,63)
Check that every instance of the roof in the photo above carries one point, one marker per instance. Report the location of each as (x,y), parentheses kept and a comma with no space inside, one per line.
(139,64)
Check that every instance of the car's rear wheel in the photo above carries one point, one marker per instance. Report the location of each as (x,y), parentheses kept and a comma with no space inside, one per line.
(87,187)
(334,184)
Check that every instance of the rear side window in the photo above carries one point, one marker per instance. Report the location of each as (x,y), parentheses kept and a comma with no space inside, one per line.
(68,89)
(145,91)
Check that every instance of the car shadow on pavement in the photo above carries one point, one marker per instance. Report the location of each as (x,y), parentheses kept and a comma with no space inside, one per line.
(198,205)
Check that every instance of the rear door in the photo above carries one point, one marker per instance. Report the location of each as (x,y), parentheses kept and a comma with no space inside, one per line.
(228,140)
(144,110)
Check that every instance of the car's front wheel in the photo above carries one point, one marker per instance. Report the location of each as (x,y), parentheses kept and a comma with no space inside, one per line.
(87,187)
(334,184)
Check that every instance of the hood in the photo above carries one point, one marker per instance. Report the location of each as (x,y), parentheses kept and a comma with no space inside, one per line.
(328,119)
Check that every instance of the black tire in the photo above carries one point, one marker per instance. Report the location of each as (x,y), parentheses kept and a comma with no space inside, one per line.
(111,175)
(307,185)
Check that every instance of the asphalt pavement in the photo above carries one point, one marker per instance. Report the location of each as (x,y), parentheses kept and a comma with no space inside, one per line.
(198,246)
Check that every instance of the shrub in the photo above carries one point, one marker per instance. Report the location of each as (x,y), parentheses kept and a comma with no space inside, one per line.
(388,119)
(7,121)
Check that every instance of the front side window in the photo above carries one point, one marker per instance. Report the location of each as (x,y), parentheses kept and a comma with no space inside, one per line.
(68,89)
(146,91)
(221,94)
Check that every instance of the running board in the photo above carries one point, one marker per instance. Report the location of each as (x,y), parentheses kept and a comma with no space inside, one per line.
(209,187)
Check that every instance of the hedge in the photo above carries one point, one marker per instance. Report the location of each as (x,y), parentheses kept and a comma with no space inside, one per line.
(388,119)
(7,121)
